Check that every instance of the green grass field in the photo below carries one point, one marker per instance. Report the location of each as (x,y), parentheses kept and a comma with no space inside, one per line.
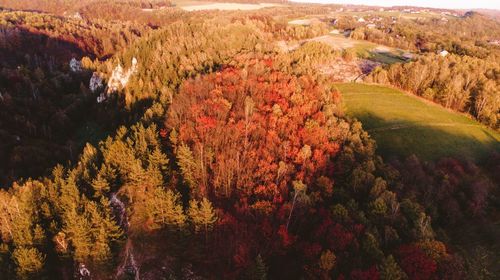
(403,125)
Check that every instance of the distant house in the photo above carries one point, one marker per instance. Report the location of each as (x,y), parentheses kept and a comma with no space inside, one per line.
(361,19)
(371,25)
(335,32)
(443,53)
(494,42)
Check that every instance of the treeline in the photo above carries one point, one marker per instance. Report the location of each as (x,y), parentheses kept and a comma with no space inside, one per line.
(95,38)
(61,7)
(152,14)
(114,11)
(281,30)
(385,31)
(462,83)
(50,6)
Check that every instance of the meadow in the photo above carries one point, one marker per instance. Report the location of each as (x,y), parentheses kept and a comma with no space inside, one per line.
(403,124)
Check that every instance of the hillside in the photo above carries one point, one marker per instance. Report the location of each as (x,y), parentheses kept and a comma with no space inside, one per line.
(403,124)
(155,139)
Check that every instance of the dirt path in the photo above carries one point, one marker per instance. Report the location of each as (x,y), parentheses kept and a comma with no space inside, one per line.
(404,126)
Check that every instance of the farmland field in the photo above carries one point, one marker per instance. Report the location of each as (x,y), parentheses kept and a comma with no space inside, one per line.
(403,125)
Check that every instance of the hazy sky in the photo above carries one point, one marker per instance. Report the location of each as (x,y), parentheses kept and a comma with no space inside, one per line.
(450,4)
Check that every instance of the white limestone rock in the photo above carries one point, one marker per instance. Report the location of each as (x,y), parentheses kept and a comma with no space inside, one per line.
(75,65)
(95,82)
(119,78)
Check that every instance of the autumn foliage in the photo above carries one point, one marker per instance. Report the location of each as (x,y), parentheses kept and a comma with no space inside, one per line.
(249,133)
(223,157)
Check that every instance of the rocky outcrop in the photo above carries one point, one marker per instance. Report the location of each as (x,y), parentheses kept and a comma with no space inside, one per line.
(95,82)
(118,80)
(119,77)
(75,65)
(95,85)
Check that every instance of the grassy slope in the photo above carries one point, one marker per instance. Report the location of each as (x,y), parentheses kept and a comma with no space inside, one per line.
(403,124)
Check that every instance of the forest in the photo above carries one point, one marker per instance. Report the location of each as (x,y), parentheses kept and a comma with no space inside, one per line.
(167,144)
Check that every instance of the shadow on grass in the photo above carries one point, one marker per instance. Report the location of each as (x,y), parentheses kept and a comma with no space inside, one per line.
(398,139)
(473,238)
(385,57)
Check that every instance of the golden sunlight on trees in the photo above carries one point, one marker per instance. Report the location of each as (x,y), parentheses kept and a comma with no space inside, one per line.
(202,214)
(327,260)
